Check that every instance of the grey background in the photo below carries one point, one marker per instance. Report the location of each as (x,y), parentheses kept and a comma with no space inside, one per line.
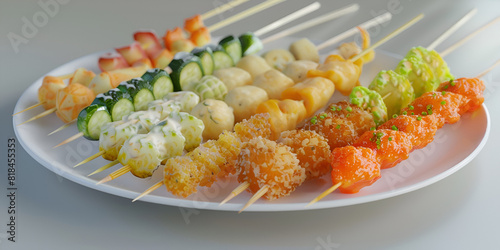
(459,212)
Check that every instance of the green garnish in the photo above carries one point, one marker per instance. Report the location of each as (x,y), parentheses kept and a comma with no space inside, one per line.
(394,127)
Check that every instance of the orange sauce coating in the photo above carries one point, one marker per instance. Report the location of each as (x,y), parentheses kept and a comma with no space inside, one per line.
(354,167)
(391,146)
(472,88)
(445,105)
(341,123)
(421,128)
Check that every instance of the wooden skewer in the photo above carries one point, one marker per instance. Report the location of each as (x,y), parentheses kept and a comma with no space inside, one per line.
(465,39)
(111,164)
(452,29)
(222,8)
(45,113)
(366,25)
(149,190)
(30,107)
(388,37)
(123,170)
(313,22)
(386,95)
(242,187)
(244,14)
(72,138)
(90,158)
(62,127)
(488,69)
(295,15)
(262,191)
(327,192)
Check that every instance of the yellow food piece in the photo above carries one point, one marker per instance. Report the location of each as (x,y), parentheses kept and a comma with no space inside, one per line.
(343,73)
(273,82)
(71,100)
(48,91)
(315,92)
(284,115)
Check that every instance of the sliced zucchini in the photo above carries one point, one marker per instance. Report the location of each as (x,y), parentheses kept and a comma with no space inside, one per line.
(250,44)
(206,57)
(91,119)
(140,91)
(232,46)
(160,81)
(222,59)
(119,103)
(186,69)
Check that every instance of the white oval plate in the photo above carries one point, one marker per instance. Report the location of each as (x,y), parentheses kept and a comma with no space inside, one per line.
(451,150)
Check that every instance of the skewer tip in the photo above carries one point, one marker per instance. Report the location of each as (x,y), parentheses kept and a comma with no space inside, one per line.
(149,190)
(325,193)
(262,191)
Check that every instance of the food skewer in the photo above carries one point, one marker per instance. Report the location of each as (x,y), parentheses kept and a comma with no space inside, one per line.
(203,16)
(293,16)
(243,185)
(453,47)
(112,176)
(223,23)
(335,14)
(422,101)
(263,189)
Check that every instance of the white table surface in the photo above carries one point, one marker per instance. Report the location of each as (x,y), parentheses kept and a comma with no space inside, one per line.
(459,212)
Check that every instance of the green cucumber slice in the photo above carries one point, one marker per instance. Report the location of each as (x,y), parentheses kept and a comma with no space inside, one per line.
(250,44)
(207,59)
(186,69)
(91,119)
(160,82)
(232,46)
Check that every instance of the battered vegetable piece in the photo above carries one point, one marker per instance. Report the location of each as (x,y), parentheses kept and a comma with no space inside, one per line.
(145,152)
(297,70)
(424,69)
(445,105)
(216,115)
(114,134)
(213,159)
(304,49)
(315,92)
(370,101)
(421,128)
(395,89)
(244,101)
(273,82)
(472,88)
(253,64)
(278,58)
(209,87)
(285,114)
(191,128)
(263,162)
(354,167)
(341,123)
(391,146)
(233,77)
(343,73)
(48,91)
(71,100)
(257,125)
(186,99)
(312,151)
